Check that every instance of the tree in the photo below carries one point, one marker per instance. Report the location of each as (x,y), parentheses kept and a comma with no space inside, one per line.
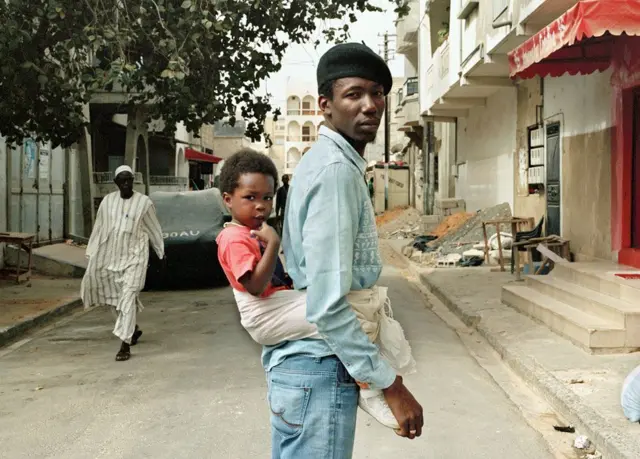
(194,61)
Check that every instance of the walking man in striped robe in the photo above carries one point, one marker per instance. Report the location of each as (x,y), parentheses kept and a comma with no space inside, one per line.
(118,253)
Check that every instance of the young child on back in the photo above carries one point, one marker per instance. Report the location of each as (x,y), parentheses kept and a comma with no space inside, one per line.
(270,310)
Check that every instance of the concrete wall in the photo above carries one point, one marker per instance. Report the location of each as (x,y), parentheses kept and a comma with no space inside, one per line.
(445,145)
(529,97)
(223,147)
(486,147)
(582,104)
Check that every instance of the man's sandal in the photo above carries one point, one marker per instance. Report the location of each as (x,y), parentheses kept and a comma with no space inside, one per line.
(123,355)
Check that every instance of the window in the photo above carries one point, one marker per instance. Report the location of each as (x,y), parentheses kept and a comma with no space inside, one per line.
(307,108)
(535,143)
(306,133)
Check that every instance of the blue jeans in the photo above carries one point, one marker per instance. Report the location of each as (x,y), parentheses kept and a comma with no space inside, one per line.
(313,404)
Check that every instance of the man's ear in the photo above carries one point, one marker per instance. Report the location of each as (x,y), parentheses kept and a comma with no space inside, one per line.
(325,105)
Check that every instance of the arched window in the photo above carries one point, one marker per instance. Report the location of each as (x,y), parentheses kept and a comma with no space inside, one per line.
(308,132)
(308,106)
(293,105)
(293,132)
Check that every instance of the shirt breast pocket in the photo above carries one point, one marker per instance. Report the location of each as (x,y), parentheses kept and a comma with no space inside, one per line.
(128,225)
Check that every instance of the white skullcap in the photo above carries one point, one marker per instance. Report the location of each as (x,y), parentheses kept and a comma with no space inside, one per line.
(122,169)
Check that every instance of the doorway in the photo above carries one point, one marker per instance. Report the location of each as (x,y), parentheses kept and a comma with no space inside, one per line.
(553,173)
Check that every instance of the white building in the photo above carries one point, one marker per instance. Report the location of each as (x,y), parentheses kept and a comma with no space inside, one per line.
(302,119)
(513,112)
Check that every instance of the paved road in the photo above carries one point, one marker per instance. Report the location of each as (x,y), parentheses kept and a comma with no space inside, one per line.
(195,389)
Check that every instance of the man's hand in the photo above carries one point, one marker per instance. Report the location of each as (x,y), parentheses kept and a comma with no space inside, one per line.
(405,408)
(267,235)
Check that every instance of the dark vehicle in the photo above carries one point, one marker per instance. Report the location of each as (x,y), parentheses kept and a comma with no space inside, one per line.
(191,221)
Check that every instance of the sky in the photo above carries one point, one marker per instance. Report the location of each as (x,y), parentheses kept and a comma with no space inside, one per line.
(300,60)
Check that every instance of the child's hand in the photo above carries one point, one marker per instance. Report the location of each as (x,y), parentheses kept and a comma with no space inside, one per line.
(267,235)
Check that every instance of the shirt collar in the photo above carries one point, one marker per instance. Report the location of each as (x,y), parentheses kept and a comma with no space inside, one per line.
(347,149)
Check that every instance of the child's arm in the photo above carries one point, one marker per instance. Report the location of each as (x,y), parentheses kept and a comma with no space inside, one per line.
(256,281)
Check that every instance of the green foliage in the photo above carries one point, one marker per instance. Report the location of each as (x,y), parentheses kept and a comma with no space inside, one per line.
(195,61)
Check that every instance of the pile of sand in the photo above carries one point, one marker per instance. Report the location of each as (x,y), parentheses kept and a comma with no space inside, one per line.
(389,216)
(451,223)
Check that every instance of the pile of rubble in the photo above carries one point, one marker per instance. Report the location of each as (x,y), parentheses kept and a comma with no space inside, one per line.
(403,223)
(459,239)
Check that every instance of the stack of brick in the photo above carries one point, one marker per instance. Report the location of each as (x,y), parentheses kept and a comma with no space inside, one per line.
(450,206)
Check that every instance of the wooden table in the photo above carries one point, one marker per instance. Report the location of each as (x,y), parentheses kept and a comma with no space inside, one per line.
(555,242)
(24,242)
(516,224)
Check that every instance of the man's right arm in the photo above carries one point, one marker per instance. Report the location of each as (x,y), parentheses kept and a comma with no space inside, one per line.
(94,238)
(328,238)
(328,234)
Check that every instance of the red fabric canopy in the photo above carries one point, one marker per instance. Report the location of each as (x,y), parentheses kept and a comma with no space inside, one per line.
(579,41)
(195,155)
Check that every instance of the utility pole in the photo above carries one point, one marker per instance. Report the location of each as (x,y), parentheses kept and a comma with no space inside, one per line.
(387,124)
(387,121)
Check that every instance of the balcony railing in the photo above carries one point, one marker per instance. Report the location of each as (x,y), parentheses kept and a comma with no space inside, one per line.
(293,112)
(168,180)
(308,112)
(430,78)
(303,138)
(101,178)
(407,28)
(411,87)
(444,59)
(499,7)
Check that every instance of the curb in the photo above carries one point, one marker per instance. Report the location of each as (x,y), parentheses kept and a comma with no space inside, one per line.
(11,333)
(610,442)
(45,265)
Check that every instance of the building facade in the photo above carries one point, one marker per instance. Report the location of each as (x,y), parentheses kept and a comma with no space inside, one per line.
(302,120)
(524,103)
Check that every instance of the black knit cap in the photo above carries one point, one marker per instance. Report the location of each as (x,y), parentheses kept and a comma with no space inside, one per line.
(353,60)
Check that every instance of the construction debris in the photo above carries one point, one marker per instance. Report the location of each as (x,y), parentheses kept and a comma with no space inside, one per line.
(404,223)
(389,216)
(460,240)
(470,232)
(451,223)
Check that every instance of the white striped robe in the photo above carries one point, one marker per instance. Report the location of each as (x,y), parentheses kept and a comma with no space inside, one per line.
(118,253)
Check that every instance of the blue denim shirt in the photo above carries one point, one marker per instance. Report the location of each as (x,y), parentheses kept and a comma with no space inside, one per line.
(331,247)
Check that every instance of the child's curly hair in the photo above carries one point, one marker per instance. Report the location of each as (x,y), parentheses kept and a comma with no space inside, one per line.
(245,161)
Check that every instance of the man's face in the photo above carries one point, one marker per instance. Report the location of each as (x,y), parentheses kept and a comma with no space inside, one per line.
(124,181)
(285,180)
(356,109)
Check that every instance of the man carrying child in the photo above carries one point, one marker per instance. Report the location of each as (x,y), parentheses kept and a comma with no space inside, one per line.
(319,339)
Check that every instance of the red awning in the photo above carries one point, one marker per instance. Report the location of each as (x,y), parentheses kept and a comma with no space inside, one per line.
(580,41)
(195,155)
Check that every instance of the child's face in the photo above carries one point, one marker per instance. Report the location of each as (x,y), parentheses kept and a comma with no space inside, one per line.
(252,200)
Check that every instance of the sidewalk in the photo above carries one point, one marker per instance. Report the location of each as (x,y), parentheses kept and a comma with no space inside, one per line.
(584,388)
(34,303)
